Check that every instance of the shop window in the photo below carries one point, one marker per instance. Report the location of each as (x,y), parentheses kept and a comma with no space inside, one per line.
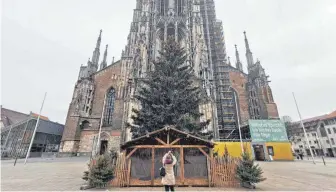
(270,150)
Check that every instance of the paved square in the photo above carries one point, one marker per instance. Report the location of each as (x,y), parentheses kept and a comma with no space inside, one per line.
(65,174)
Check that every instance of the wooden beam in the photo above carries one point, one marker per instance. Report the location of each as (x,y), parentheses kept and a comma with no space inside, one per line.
(182,165)
(168,146)
(160,141)
(131,153)
(152,170)
(175,141)
(203,152)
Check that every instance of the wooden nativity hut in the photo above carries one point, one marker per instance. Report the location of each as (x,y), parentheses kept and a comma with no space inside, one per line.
(142,159)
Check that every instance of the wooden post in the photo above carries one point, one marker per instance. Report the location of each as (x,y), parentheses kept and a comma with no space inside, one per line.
(128,171)
(211,167)
(209,172)
(153,167)
(182,165)
(168,137)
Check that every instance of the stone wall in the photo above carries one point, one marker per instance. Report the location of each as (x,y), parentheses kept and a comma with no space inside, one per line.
(238,83)
(87,141)
(70,127)
(77,139)
(106,79)
(272,111)
(69,146)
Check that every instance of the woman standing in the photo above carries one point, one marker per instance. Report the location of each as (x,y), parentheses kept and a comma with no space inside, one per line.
(169,160)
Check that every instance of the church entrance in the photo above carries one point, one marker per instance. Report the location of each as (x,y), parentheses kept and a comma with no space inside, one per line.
(259,153)
(103,146)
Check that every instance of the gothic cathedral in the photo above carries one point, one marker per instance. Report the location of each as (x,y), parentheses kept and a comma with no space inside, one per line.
(103,94)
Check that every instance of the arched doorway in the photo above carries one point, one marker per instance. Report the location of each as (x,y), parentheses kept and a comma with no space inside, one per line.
(103,148)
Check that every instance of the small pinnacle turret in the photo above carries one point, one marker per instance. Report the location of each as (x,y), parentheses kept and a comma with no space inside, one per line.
(103,64)
(229,61)
(112,60)
(249,56)
(238,63)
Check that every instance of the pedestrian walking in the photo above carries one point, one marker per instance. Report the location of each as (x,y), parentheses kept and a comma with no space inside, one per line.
(301,155)
(168,180)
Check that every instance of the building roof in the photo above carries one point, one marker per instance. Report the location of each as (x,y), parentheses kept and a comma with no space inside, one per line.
(161,134)
(10,117)
(330,115)
(41,117)
(317,118)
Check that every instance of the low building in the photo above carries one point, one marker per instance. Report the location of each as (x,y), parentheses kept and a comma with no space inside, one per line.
(17,132)
(321,135)
(268,141)
(328,133)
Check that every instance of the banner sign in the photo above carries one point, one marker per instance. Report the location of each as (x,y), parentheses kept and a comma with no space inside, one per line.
(267,130)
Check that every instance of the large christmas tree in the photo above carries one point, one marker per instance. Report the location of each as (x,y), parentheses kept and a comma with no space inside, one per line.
(169,95)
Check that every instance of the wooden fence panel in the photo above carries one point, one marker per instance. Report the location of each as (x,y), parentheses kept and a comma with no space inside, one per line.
(120,173)
(223,172)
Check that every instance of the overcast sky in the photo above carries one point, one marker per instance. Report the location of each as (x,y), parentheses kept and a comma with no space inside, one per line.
(44,42)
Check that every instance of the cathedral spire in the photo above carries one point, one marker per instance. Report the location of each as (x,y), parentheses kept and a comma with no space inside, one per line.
(238,63)
(99,39)
(249,56)
(96,54)
(104,63)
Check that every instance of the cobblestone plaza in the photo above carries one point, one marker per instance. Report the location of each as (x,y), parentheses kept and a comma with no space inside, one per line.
(64,174)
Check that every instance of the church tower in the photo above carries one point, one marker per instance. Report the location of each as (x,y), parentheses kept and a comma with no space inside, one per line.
(261,102)
(103,98)
(191,23)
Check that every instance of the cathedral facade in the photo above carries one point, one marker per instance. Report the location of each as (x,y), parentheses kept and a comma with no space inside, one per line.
(103,94)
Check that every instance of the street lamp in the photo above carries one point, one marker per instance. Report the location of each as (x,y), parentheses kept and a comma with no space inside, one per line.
(238,121)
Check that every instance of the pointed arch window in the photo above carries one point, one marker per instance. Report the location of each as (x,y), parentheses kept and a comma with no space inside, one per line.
(109,107)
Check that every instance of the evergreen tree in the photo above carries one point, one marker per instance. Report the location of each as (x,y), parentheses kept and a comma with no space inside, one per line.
(169,95)
(100,172)
(248,172)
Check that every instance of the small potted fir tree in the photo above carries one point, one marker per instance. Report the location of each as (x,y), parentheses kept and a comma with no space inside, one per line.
(247,172)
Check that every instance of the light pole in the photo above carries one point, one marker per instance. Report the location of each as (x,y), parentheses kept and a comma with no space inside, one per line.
(101,124)
(34,133)
(238,121)
(319,145)
(304,130)
(240,136)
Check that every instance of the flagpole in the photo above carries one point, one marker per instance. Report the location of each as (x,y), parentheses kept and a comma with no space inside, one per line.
(304,130)
(37,122)
(240,135)
(101,124)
